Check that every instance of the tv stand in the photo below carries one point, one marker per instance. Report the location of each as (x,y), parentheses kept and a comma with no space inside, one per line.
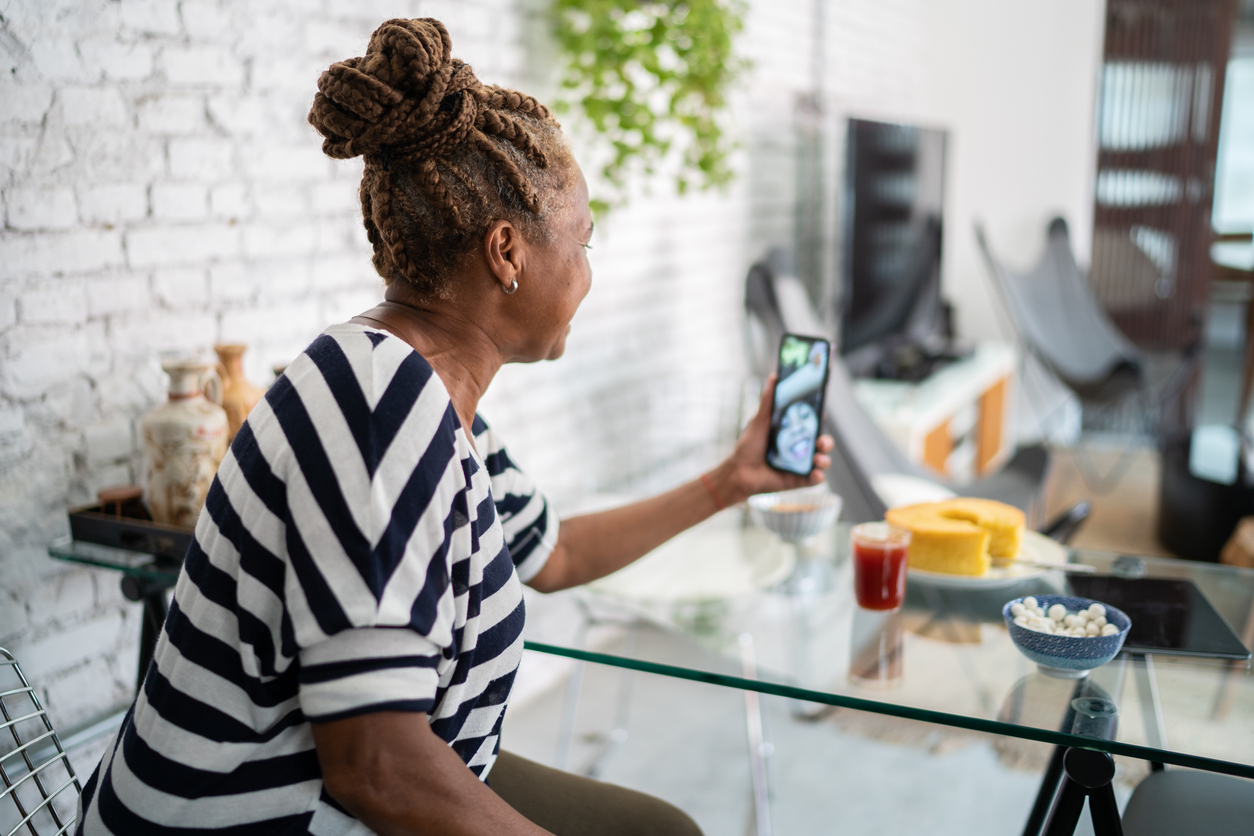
(913,362)
(956,419)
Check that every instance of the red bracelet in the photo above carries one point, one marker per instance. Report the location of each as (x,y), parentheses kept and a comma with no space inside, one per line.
(709,486)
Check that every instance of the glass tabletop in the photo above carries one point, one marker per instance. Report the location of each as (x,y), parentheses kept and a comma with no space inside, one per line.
(782,619)
(134,564)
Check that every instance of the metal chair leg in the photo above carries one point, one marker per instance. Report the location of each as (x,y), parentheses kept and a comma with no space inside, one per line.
(570,706)
(758,747)
(1147,690)
(622,711)
(566,728)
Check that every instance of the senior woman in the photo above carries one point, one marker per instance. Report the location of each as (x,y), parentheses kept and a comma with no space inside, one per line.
(349,620)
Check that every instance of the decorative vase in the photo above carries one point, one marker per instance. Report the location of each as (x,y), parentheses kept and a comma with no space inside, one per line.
(238,395)
(185,439)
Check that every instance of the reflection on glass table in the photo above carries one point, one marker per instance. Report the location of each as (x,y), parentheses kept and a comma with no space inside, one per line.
(945,658)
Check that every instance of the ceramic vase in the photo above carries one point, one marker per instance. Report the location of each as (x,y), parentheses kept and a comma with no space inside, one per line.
(185,440)
(238,395)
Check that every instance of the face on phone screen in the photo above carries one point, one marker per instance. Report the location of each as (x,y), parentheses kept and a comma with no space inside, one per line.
(798,403)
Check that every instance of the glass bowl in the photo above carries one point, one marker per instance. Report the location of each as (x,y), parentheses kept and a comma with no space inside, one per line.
(798,514)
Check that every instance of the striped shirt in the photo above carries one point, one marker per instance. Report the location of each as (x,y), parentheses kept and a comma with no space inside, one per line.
(356,553)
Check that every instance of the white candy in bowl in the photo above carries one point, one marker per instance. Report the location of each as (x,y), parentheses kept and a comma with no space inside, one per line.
(1066,636)
(798,514)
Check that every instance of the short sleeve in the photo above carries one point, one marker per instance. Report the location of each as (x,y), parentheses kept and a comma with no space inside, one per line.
(527,518)
(366,670)
(376,498)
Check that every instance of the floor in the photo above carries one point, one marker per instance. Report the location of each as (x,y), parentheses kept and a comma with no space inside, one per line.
(1125,512)
(1124,515)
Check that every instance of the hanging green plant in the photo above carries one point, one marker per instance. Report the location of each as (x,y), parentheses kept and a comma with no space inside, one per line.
(652,76)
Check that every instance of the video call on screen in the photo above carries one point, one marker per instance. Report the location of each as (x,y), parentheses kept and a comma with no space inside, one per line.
(798,407)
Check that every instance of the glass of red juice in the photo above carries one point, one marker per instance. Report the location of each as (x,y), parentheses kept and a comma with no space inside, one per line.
(879,565)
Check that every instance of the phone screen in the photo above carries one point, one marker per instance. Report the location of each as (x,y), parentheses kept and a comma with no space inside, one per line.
(797,405)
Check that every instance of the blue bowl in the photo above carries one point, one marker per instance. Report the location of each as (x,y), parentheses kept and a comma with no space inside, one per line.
(1069,657)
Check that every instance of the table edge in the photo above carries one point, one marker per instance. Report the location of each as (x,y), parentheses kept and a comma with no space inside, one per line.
(924,714)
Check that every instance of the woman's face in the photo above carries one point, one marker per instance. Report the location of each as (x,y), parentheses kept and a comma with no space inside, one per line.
(557,277)
(798,429)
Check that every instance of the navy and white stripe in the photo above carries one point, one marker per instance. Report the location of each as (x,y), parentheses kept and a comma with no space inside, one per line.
(356,553)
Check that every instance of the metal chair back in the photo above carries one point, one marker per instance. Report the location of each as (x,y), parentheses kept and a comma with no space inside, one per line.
(1056,315)
(35,773)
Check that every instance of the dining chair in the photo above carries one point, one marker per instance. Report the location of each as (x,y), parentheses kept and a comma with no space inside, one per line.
(1178,801)
(37,776)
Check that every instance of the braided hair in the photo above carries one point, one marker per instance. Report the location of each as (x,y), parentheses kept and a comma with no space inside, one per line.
(445,155)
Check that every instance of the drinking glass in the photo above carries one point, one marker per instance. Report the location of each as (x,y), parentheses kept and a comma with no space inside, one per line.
(879,565)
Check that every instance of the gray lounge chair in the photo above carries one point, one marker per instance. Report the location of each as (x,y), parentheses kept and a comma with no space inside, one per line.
(1058,318)
(1060,324)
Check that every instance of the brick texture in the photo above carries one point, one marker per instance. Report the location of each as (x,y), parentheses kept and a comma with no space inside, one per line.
(162,191)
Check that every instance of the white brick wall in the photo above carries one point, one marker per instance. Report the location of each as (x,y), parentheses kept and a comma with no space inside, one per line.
(161,191)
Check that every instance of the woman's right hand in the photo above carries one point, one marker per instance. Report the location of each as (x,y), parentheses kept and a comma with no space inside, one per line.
(745,472)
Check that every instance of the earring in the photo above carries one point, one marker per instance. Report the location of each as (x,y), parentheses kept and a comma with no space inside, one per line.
(512,288)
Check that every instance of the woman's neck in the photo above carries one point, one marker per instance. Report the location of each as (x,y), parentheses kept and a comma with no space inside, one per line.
(460,350)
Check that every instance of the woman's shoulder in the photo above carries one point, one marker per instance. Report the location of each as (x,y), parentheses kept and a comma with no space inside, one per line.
(379,363)
(362,341)
(375,380)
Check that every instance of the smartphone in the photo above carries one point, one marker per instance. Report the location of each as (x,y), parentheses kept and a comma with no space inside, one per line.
(797,403)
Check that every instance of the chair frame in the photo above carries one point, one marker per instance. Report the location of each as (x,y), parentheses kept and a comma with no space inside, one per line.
(1152,407)
(35,757)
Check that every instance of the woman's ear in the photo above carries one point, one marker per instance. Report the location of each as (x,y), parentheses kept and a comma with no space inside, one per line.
(503,250)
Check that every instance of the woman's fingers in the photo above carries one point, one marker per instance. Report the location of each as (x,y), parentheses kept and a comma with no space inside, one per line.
(764,399)
(749,455)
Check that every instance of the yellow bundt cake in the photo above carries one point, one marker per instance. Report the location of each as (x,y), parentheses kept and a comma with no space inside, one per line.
(958,536)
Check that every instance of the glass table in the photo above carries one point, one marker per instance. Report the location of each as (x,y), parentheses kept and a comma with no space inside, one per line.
(145,579)
(945,658)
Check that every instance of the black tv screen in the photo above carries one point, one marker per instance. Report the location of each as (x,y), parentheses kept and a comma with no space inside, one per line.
(894,196)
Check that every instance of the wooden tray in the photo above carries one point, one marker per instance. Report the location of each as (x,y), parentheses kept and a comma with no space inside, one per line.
(169,542)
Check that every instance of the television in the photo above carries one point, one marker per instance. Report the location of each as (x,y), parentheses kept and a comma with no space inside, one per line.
(893,320)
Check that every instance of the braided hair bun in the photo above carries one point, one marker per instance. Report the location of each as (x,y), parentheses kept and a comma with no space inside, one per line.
(445,155)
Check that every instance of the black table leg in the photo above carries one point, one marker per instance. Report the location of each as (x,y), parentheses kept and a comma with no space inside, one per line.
(1088,774)
(1065,814)
(155,610)
(1105,812)
(1046,794)
(1053,777)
